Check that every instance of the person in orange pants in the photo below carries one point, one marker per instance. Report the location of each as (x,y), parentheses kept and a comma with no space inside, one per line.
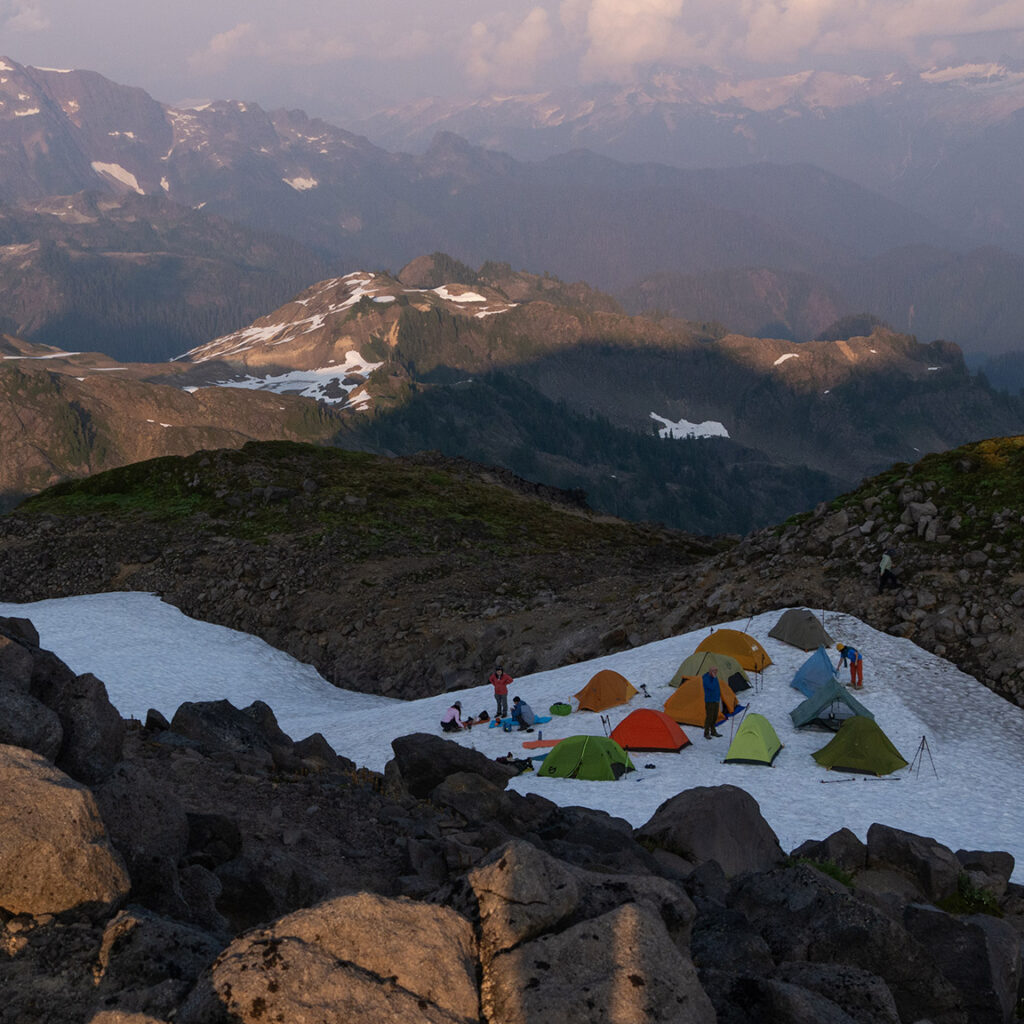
(851,656)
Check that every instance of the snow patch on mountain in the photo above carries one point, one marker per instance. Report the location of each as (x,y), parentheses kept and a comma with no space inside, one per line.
(333,384)
(301,184)
(118,173)
(783,358)
(683,428)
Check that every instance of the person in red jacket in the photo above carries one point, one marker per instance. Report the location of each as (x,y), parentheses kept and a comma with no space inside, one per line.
(501,681)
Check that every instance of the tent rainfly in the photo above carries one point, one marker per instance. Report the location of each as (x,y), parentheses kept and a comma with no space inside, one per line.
(755,742)
(817,671)
(596,758)
(829,706)
(739,645)
(606,689)
(699,662)
(801,628)
(648,729)
(860,746)
(686,705)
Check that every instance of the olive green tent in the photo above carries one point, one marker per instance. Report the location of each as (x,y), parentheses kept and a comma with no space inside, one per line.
(755,742)
(801,628)
(586,757)
(699,662)
(860,746)
(829,706)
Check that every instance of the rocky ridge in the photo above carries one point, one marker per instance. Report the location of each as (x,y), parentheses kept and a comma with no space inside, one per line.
(229,874)
(408,607)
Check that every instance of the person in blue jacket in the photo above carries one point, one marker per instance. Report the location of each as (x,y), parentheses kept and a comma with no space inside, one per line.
(712,698)
(851,656)
(523,714)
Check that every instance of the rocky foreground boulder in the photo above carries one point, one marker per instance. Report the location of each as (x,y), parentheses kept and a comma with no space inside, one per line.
(207,880)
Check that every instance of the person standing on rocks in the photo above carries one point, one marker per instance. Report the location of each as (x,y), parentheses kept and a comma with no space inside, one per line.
(886,576)
(501,681)
(853,657)
(712,698)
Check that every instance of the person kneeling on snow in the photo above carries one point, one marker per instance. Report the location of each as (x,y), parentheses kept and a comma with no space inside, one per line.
(451,720)
(523,714)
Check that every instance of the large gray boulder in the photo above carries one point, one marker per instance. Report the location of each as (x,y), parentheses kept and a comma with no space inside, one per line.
(217,726)
(804,915)
(27,722)
(54,851)
(424,761)
(521,892)
(751,999)
(361,958)
(721,823)
(147,964)
(931,865)
(621,966)
(861,995)
(979,954)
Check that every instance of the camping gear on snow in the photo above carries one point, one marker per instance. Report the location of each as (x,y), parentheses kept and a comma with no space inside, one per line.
(647,729)
(596,758)
(801,628)
(606,689)
(560,708)
(686,705)
(829,706)
(510,722)
(699,662)
(860,746)
(741,646)
(537,744)
(814,673)
(755,742)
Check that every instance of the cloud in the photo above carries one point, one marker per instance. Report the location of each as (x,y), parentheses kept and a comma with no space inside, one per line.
(611,38)
(294,46)
(16,16)
(510,54)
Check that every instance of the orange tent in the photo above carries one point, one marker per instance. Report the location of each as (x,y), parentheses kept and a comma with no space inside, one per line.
(605,690)
(647,729)
(686,705)
(741,646)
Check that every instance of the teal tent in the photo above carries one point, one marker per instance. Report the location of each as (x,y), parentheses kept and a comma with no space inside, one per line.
(829,706)
(814,673)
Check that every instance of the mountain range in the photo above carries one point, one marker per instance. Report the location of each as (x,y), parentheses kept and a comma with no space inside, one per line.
(664,420)
(924,138)
(701,242)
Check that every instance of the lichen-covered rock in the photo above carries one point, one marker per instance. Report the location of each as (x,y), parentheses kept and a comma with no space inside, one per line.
(361,958)
(619,967)
(54,851)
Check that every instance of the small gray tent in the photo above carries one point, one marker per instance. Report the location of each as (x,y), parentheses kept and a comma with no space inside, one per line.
(801,628)
(829,706)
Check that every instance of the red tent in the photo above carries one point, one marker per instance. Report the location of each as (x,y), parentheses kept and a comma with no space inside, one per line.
(647,729)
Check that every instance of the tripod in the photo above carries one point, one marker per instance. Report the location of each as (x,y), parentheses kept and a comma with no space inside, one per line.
(922,749)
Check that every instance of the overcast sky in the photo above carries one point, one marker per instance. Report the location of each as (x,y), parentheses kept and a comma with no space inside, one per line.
(331,56)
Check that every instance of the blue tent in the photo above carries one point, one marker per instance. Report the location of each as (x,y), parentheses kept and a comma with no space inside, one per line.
(814,673)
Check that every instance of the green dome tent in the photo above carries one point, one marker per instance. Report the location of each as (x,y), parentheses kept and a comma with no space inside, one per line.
(860,746)
(755,742)
(699,662)
(830,705)
(586,757)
